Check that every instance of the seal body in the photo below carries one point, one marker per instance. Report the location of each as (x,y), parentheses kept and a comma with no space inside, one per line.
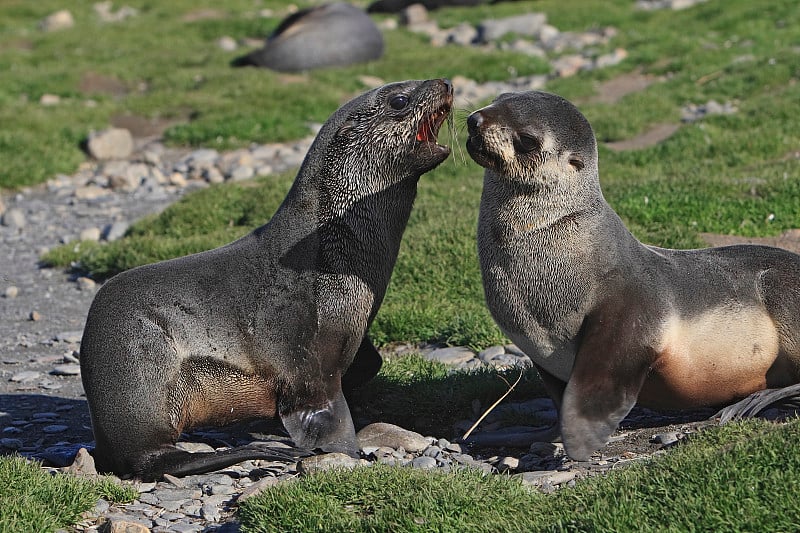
(322,36)
(607,320)
(274,323)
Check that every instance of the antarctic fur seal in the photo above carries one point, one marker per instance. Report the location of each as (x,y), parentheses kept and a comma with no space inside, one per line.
(607,320)
(275,322)
(322,36)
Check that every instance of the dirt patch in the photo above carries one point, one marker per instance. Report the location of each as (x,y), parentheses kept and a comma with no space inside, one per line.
(651,137)
(788,240)
(141,127)
(96,83)
(203,14)
(612,91)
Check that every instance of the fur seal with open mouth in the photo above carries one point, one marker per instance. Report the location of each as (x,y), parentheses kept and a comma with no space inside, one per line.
(607,320)
(275,322)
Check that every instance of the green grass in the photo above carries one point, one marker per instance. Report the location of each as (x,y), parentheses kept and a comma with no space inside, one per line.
(33,500)
(741,477)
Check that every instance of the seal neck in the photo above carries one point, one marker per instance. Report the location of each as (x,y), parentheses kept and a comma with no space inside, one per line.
(527,208)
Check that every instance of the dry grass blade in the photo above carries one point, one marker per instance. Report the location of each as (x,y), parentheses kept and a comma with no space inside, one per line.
(495,404)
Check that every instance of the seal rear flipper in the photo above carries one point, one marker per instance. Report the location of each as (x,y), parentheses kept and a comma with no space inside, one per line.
(329,428)
(759,401)
(365,366)
(151,466)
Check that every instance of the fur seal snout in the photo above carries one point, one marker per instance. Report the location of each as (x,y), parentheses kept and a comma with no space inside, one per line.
(607,320)
(273,324)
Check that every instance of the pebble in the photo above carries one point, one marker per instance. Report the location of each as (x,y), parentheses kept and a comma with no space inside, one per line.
(327,461)
(381,434)
(14,218)
(452,355)
(25,376)
(69,369)
(111,143)
(60,20)
(86,284)
(11,292)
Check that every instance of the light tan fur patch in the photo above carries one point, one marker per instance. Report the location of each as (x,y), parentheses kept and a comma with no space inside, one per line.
(714,358)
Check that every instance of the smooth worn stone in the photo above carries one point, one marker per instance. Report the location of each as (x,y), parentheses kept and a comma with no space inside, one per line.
(90,234)
(14,218)
(34,316)
(69,369)
(91,192)
(487,354)
(320,463)
(665,439)
(25,376)
(11,292)
(423,462)
(546,477)
(112,143)
(55,428)
(383,434)
(258,487)
(507,463)
(529,24)
(452,355)
(86,284)
(194,447)
(114,231)
(70,337)
(60,20)
(11,444)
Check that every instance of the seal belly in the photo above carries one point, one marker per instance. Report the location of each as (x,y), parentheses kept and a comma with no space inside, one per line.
(717,357)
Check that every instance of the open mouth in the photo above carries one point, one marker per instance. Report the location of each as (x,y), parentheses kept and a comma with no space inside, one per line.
(430,124)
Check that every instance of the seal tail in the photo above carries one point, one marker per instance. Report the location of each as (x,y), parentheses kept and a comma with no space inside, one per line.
(758,402)
(170,460)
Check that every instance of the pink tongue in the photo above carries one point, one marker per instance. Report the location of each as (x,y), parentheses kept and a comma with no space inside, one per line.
(424,133)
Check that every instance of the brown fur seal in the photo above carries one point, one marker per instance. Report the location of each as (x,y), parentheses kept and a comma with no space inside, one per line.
(607,320)
(322,36)
(269,324)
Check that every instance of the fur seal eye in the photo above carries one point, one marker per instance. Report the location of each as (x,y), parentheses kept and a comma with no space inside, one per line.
(527,143)
(398,102)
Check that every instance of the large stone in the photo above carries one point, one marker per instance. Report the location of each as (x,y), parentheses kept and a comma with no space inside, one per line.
(14,218)
(60,20)
(327,461)
(83,464)
(529,24)
(382,434)
(112,143)
(452,355)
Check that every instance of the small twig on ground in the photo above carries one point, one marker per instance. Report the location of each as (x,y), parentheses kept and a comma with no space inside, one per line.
(491,407)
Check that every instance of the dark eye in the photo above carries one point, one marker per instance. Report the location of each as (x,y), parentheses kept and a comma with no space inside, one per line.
(398,102)
(527,143)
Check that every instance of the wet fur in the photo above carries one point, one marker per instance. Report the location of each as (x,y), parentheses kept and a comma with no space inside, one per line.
(271,324)
(607,320)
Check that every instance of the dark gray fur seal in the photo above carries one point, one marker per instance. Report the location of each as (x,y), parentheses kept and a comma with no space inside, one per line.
(607,320)
(269,324)
(323,36)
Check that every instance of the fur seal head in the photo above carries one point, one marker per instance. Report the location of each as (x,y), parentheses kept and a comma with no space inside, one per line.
(532,138)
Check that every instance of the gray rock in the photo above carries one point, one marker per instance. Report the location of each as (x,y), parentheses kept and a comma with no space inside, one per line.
(11,292)
(90,234)
(25,376)
(70,337)
(210,512)
(546,477)
(11,444)
(227,43)
(242,173)
(414,15)
(382,434)
(529,24)
(83,464)
(114,231)
(69,369)
(452,355)
(14,218)
(55,428)
(423,462)
(112,143)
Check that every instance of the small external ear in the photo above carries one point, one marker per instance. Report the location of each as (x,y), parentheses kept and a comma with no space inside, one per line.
(576,162)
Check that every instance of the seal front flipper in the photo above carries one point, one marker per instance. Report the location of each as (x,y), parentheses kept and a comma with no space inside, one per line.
(606,378)
(365,366)
(328,427)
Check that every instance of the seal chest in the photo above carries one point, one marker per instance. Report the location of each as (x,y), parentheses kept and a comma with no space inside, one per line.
(274,323)
(608,320)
